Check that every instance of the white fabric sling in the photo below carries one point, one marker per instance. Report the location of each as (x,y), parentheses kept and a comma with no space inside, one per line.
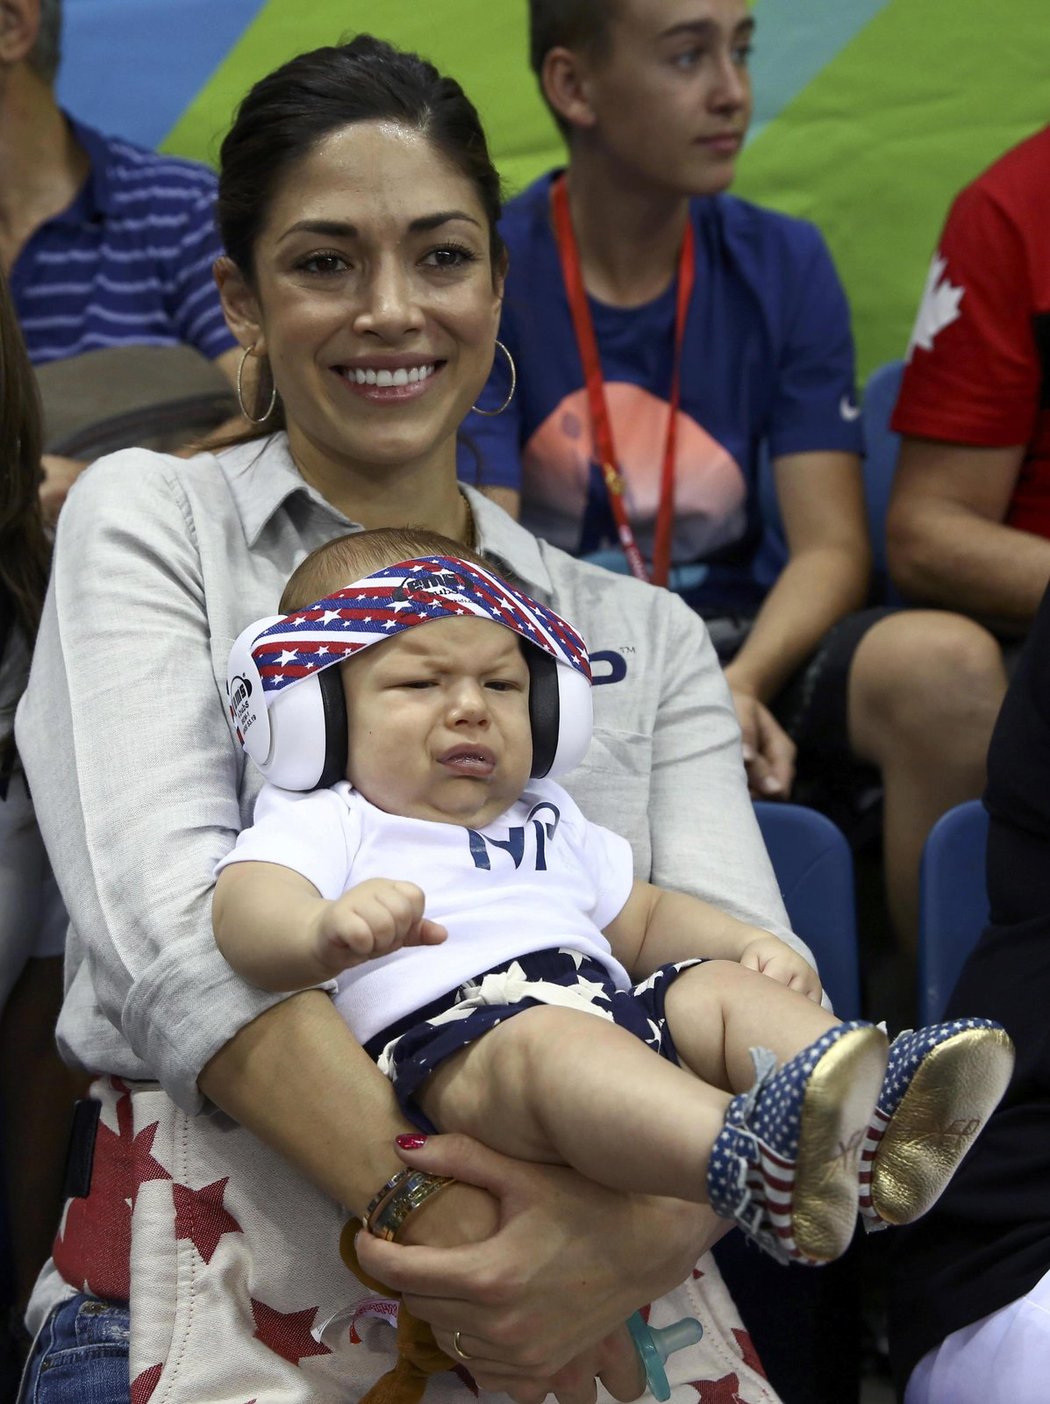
(232,1302)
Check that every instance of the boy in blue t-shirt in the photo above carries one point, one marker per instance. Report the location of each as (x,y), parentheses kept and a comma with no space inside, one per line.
(682,284)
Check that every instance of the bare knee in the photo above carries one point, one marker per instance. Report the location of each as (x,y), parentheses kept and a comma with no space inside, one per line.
(514,1054)
(717,982)
(925,678)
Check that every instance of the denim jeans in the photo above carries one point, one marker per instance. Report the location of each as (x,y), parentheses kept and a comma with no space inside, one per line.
(80,1356)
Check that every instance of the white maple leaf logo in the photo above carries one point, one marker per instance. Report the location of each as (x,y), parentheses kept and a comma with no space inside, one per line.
(938,309)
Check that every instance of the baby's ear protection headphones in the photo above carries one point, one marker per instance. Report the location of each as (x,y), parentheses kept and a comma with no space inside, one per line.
(285,695)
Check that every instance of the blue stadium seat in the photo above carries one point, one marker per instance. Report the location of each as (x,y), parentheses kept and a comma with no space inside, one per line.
(953,902)
(880,464)
(805,1324)
(814,870)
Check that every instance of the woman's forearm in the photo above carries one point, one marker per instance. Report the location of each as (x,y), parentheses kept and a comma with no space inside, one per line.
(298,1079)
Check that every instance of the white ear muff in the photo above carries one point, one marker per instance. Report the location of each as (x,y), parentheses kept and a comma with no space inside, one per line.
(575,720)
(246,705)
(287,739)
(561,713)
(298,736)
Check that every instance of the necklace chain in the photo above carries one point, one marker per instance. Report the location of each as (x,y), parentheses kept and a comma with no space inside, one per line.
(471,529)
(471,541)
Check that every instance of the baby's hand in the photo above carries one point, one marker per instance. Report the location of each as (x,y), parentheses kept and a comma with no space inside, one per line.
(371,920)
(775,958)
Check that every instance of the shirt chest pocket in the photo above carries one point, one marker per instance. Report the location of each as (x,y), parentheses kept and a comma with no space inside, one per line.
(612,786)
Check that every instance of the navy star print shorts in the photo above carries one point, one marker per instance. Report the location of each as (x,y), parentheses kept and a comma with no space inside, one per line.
(409,1051)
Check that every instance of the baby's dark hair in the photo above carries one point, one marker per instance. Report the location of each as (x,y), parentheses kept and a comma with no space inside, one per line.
(348,558)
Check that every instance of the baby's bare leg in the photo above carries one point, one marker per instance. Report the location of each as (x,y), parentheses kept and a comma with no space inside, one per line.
(562,1086)
(717,1012)
(566,1087)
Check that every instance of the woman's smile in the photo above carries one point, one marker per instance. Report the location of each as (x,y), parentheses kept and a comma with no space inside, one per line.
(385,380)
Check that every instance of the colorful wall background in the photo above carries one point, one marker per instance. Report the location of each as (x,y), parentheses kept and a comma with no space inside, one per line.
(869,115)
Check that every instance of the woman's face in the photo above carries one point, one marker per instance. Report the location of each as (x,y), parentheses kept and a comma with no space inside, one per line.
(375,300)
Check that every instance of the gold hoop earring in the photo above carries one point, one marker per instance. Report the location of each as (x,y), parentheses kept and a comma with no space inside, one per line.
(248,350)
(491,414)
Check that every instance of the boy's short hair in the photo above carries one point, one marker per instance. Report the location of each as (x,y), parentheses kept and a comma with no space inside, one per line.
(348,558)
(569,24)
(583,25)
(45,54)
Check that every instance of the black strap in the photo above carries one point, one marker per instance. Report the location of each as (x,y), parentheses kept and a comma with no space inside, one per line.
(80,1155)
(7,743)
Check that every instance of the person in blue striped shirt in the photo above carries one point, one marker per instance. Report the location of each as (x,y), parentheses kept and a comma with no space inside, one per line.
(104,243)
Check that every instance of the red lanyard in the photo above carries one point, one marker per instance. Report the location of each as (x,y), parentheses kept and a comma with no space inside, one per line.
(601,424)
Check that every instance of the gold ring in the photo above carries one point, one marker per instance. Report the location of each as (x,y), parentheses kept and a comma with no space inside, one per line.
(459,1349)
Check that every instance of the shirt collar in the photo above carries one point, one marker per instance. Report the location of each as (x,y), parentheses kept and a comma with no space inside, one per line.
(501,538)
(94,199)
(262,477)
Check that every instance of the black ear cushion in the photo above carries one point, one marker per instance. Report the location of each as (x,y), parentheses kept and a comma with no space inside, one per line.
(333,705)
(544,709)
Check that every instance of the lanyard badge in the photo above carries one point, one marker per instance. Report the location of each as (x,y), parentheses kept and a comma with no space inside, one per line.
(601,423)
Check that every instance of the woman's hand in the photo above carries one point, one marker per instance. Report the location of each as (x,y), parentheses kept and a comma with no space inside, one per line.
(541,1295)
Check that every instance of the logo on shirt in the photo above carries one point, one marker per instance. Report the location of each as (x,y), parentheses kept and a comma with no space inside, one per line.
(710,486)
(939,307)
(607,666)
(543,830)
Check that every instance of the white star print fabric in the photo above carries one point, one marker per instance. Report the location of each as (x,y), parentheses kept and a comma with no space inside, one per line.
(224,1305)
(563,978)
(400,597)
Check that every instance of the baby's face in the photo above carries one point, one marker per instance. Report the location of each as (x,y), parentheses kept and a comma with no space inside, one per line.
(438,722)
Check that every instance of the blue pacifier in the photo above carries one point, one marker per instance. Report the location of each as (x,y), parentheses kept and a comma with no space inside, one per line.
(655,1344)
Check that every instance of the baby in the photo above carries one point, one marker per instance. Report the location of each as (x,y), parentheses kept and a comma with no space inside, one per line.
(495,953)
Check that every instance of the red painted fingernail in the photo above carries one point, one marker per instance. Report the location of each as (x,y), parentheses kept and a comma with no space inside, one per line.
(414,1140)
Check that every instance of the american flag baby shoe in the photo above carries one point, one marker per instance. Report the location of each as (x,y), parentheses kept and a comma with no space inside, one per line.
(785,1162)
(942,1083)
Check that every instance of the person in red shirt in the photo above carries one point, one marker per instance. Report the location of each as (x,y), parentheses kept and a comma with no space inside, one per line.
(969,522)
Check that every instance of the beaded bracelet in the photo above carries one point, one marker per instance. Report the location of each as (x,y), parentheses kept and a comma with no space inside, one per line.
(401,1196)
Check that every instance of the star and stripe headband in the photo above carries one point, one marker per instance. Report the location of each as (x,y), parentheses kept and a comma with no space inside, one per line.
(272,655)
(401,597)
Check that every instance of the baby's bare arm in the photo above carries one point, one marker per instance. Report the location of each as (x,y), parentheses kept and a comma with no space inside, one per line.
(276,929)
(657,927)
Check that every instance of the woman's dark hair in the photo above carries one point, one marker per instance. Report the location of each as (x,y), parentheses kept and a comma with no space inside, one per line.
(25,553)
(288,112)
